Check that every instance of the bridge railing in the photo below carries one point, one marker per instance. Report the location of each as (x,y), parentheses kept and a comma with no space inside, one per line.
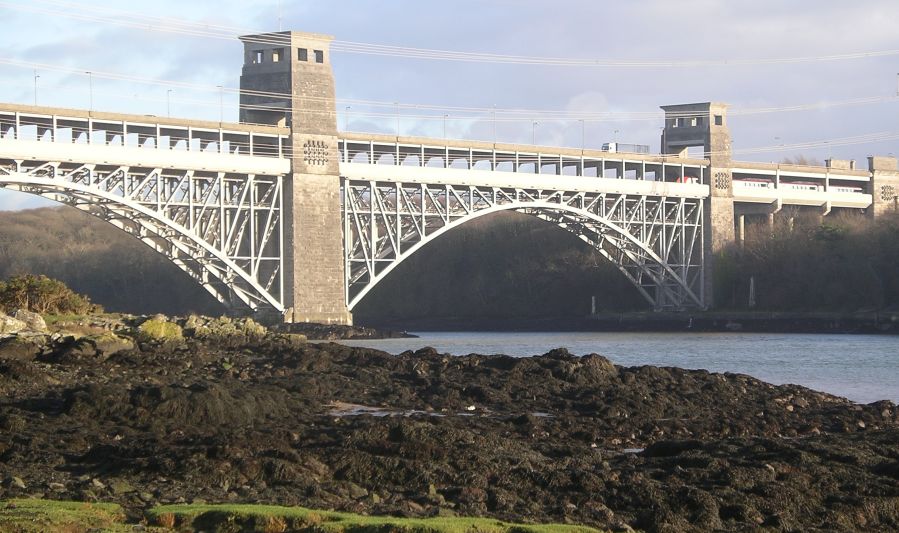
(131,131)
(521,159)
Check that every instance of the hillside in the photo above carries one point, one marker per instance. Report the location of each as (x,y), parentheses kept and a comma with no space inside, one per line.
(92,257)
(505,265)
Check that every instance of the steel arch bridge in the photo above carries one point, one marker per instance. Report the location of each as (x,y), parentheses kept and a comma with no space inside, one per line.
(212,241)
(655,241)
(212,200)
(209,200)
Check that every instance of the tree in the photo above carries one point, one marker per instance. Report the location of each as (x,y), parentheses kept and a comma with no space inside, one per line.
(43,295)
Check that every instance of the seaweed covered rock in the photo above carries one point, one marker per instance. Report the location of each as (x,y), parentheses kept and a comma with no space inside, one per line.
(100,347)
(24,348)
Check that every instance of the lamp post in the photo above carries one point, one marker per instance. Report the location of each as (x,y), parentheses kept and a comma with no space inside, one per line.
(168,103)
(583,134)
(90,84)
(397,104)
(221,103)
(534,133)
(494,123)
(444,126)
(346,118)
(35,86)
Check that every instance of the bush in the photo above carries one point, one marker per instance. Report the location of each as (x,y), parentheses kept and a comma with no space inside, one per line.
(43,295)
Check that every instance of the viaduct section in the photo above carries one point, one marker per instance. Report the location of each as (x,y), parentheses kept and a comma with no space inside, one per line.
(283,214)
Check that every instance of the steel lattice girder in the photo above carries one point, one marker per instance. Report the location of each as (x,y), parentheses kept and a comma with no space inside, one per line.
(655,241)
(223,230)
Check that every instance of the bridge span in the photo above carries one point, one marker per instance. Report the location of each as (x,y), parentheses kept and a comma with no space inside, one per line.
(281,213)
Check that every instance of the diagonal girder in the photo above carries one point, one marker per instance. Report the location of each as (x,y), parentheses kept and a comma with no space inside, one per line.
(655,241)
(223,230)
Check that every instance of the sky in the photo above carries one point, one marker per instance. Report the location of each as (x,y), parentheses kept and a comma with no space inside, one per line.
(731,38)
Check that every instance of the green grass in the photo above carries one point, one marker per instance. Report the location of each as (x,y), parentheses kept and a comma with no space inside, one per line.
(39,516)
(275,519)
(52,320)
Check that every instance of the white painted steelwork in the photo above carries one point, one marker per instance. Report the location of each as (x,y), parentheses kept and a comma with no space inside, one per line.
(656,241)
(223,230)
(217,216)
(209,196)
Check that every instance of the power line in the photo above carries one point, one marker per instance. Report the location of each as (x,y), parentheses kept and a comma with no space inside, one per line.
(134,20)
(457,112)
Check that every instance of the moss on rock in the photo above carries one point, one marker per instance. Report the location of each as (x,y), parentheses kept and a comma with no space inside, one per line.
(160,330)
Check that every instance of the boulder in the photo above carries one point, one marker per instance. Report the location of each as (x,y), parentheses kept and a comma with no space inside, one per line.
(159,329)
(10,326)
(23,348)
(97,346)
(34,321)
(223,328)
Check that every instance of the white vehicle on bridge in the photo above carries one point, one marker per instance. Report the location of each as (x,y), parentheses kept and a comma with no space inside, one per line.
(754,183)
(847,188)
(624,147)
(803,186)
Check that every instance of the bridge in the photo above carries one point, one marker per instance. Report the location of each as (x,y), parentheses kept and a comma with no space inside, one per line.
(282,213)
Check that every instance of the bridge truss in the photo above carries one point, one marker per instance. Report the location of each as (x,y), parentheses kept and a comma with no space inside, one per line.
(655,241)
(222,229)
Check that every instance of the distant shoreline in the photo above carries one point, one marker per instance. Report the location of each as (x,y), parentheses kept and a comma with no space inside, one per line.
(718,321)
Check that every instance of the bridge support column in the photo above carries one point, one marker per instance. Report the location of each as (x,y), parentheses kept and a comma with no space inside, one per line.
(287,79)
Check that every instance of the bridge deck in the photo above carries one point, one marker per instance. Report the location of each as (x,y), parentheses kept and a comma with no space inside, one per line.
(91,137)
(428,160)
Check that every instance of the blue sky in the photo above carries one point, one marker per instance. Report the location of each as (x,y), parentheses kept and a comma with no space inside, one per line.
(37,32)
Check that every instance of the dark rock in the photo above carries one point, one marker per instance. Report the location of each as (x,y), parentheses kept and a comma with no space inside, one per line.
(555,438)
(22,348)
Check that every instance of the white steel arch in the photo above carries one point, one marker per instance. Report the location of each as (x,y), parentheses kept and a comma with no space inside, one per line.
(224,231)
(655,241)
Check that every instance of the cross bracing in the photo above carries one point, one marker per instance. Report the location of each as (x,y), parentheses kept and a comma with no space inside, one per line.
(206,196)
(224,230)
(655,241)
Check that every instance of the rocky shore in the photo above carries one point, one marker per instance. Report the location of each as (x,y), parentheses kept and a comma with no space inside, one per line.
(185,411)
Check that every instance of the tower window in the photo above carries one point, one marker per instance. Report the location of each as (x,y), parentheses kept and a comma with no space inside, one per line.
(257,56)
(719,120)
(303,54)
(319,56)
(277,54)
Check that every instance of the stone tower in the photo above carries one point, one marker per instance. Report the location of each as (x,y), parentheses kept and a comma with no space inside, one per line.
(705,125)
(287,80)
(884,185)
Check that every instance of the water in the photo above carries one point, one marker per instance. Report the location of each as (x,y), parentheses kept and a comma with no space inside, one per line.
(863,368)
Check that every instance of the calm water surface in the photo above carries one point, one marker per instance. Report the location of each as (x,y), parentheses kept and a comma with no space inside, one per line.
(863,368)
